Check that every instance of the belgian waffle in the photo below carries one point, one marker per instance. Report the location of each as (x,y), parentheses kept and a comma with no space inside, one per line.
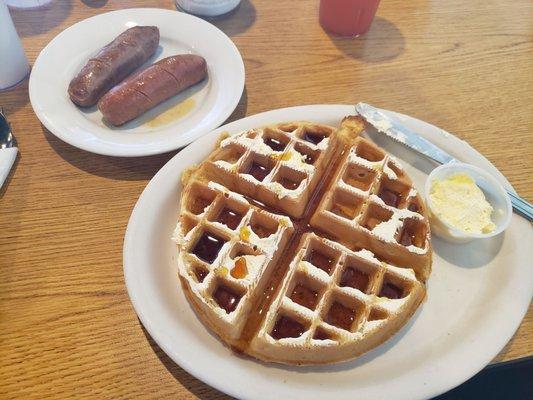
(302,244)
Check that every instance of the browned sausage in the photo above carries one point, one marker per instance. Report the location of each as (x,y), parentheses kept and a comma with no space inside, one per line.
(151,86)
(113,63)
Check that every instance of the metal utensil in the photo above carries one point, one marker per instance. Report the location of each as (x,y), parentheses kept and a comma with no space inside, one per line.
(8,148)
(405,136)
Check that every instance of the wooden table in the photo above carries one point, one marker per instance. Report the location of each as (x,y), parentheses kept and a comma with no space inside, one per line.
(67,327)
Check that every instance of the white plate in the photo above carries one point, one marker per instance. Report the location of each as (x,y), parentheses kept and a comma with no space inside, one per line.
(478,293)
(210,102)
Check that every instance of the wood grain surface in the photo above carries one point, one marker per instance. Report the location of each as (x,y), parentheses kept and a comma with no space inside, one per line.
(67,328)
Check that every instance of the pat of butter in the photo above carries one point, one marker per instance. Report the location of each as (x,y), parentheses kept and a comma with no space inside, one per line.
(460,202)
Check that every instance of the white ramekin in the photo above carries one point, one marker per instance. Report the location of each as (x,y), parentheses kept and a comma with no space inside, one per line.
(494,192)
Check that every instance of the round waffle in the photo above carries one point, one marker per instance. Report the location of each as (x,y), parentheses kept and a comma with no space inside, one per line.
(300,243)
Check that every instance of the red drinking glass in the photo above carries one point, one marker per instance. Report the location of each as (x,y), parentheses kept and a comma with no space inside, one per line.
(347,17)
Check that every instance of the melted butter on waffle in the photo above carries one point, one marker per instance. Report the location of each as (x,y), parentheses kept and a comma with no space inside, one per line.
(302,244)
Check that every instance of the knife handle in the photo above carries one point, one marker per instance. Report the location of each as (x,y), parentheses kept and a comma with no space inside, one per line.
(521,206)
(7,158)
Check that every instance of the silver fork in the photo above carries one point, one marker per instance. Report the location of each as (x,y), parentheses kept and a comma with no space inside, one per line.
(8,148)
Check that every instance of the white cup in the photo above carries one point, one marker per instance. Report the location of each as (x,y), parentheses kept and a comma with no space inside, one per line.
(14,65)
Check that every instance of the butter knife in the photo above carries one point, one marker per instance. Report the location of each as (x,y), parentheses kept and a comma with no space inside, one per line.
(401,134)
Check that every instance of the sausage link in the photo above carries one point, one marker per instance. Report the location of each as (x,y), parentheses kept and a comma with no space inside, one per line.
(113,63)
(151,86)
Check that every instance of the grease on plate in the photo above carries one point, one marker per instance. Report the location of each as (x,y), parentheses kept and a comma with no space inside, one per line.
(172,114)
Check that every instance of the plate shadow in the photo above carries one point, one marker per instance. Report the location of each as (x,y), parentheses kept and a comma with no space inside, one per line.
(195,386)
(240,110)
(237,21)
(116,168)
(474,254)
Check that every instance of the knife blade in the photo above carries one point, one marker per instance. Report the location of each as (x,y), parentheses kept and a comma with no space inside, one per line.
(401,134)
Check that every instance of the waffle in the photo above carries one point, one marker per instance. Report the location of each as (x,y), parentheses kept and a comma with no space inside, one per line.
(300,243)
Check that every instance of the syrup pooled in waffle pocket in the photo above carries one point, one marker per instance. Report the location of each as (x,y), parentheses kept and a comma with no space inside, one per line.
(300,243)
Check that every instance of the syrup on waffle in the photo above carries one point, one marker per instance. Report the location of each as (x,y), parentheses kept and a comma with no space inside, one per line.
(302,244)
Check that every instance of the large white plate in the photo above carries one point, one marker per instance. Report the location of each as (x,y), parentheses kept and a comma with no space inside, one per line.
(478,293)
(210,102)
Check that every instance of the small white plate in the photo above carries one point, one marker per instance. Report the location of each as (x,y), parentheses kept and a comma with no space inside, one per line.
(477,293)
(204,106)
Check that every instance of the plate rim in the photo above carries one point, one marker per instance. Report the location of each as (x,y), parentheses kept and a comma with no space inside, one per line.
(228,388)
(118,150)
